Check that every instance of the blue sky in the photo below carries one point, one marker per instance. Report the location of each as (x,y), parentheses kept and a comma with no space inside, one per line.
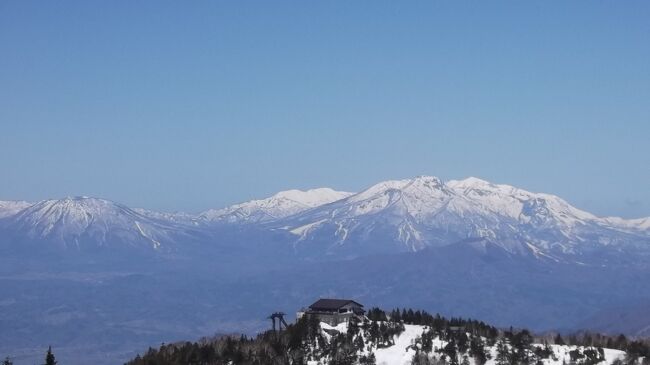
(190,105)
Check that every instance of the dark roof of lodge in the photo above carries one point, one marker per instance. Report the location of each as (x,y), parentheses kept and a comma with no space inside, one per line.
(331,304)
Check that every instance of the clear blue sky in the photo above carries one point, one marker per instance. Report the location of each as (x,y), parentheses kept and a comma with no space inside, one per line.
(189,105)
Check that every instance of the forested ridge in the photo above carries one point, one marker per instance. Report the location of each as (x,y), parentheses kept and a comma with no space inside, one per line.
(453,341)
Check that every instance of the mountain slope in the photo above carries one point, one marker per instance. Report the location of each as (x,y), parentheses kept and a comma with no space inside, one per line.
(83,223)
(280,205)
(412,214)
(389,217)
(9,208)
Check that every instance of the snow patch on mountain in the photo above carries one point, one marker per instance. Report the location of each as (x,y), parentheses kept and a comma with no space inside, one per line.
(639,224)
(301,231)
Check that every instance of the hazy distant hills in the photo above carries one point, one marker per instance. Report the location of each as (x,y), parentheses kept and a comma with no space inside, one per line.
(89,273)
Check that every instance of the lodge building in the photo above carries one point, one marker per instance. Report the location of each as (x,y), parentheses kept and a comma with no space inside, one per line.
(333,311)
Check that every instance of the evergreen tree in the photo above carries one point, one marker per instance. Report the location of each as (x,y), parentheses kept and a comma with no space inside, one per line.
(368,360)
(477,350)
(503,353)
(452,352)
(621,342)
(427,341)
(374,332)
(521,342)
(49,357)
(396,316)
(421,359)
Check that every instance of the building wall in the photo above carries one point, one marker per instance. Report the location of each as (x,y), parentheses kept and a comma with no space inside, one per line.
(332,319)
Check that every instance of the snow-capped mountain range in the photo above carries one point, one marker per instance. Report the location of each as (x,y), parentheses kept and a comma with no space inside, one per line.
(425,212)
(391,216)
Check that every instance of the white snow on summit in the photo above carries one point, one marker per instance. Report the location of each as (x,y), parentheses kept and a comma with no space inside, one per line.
(280,205)
(425,211)
(390,216)
(509,201)
(75,221)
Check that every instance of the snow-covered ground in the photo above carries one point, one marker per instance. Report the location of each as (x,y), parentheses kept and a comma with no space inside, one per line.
(401,353)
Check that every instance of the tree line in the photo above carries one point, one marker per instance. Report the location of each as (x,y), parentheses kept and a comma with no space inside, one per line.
(464,338)
(298,343)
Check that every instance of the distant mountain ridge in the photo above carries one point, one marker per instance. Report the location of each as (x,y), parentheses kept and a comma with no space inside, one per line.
(391,216)
(83,222)
(280,205)
(425,212)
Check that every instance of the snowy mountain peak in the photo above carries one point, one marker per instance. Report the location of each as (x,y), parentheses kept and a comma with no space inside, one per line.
(412,214)
(80,220)
(421,185)
(424,185)
(471,182)
(280,205)
(312,197)
(70,209)
(427,179)
(516,203)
